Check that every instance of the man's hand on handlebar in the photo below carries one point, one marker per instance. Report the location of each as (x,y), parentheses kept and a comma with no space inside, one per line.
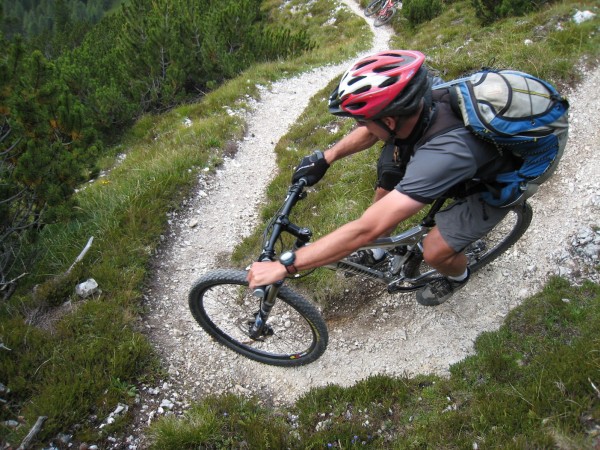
(265,273)
(312,168)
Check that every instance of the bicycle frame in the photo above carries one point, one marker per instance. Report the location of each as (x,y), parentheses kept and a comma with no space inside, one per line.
(388,4)
(410,239)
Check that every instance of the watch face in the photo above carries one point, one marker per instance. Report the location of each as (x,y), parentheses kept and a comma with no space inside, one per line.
(287,257)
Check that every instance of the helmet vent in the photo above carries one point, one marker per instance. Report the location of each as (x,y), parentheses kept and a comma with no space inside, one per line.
(389,82)
(356,106)
(364,63)
(356,80)
(385,68)
(362,89)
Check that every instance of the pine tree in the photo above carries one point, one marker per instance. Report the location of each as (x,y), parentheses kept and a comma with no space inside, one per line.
(46,146)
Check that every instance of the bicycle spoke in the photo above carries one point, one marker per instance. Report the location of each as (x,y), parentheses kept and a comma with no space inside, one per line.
(490,242)
(233,316)
(508,231)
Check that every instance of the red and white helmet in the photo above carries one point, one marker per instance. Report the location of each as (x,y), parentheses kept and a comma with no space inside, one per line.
(389,83)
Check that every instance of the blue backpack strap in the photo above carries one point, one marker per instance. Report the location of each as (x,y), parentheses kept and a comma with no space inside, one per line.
(443,118)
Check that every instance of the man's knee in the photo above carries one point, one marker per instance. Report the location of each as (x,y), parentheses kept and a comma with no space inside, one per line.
(436,250)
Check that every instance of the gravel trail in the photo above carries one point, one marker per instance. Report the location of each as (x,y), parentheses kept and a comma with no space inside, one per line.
(406,338)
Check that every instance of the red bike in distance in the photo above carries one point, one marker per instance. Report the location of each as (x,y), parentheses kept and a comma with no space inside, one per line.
(383,10)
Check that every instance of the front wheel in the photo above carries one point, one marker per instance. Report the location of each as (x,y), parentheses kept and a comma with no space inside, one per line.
(373,7)
(222,304)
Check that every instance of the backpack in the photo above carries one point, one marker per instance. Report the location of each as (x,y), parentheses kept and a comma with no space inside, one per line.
(517,112)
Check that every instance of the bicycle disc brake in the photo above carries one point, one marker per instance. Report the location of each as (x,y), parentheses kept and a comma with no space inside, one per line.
(258,329)
(475,250)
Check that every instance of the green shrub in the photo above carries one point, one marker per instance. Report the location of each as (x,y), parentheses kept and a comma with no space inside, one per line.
(489,10)
(419,11)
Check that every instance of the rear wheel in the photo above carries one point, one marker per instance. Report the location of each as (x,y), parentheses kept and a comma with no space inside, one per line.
(500,238)
(222,304)
(483,251)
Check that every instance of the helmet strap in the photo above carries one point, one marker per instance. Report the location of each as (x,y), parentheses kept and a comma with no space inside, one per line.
(391,133)
(418,129)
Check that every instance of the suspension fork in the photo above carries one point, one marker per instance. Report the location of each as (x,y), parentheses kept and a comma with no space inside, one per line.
(260,328)
(268,294)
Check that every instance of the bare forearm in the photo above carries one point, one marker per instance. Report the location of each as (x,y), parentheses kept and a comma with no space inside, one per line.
(358,140)
(333,247)
(328,249)
(375,222)
(390,210)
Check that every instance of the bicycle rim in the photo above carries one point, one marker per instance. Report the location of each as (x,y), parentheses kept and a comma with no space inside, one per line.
(223,305)
(500,238)
(384,17)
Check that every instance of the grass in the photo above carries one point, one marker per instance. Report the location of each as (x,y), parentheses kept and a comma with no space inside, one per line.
(69,358)
(222,422)
(518,391)
(455,43)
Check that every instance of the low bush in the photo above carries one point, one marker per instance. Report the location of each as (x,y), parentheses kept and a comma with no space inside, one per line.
(419,11)
(490,10)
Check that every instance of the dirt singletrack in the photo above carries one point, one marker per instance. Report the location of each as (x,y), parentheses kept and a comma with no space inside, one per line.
(397,336)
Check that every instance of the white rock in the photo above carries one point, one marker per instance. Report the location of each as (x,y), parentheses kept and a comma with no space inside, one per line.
(583,16)
(87,288)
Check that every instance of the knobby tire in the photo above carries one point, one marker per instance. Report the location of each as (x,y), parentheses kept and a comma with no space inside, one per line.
(374,7)
(501,237)
(384,17)
(222,304)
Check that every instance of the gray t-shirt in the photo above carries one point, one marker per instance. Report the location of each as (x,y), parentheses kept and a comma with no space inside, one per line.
(449,159)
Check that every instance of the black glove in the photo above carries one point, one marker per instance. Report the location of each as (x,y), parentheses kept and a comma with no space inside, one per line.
(311,168)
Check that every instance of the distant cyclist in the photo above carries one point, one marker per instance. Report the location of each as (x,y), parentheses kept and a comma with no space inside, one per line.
(425,155)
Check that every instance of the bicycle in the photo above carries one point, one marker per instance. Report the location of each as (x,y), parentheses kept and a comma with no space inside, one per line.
(384,10)
(276,325)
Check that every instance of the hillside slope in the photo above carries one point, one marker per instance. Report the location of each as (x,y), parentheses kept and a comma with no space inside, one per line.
(400,336)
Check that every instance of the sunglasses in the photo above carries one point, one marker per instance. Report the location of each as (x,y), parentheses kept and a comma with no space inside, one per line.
(361,122)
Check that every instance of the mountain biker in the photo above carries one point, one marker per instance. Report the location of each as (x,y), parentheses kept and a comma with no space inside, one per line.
(389,95)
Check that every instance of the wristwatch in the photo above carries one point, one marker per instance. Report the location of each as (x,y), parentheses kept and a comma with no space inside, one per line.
(288,258)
